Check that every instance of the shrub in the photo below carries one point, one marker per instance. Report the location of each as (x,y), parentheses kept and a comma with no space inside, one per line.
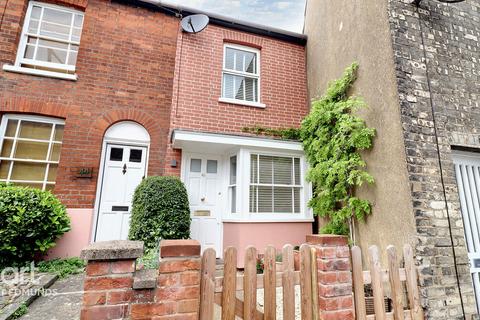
(30,222)
(160,211)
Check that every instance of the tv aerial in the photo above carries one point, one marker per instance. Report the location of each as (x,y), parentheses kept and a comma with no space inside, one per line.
(194,23)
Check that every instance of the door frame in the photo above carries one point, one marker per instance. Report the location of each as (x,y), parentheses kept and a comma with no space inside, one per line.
(222,180)
(101,173)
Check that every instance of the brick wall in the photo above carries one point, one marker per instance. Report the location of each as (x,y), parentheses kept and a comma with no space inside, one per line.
(198,83)
(437,58)
(125,72)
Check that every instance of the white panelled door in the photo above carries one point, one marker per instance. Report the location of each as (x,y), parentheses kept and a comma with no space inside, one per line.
(202,179)
(467,171)
(124,169)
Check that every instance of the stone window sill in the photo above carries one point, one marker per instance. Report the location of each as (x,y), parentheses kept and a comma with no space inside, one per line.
(42,73)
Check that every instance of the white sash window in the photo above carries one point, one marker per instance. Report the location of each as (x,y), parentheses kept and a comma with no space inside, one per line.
(49,42)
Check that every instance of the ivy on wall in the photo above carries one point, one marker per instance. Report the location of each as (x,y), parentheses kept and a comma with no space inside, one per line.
(332,136)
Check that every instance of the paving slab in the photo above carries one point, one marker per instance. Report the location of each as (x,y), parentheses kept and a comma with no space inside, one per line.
(63,301)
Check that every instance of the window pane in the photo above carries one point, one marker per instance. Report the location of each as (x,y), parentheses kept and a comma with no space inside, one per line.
(4,168)
(233,170)
(250,62)
(29,51)
(228,86)
(233,197)
(282,170)
(78,21)
(135,155)
(297,171)
(72,58)
(31,150)
(31,185)
(55,152)
(49,187)
(28,171)
(265,169)
(55,31)
(195,165)
(253,199)
(239,88)
(76,34)
(11,128)
(58,136)
(56,16)
(296,203)
(116,154)
(253,168)
(251,89)
(36,11)
(264,199)
(51,55)
(230,58)
(7,148)
(52,172)
(52,44)
(212,166)
(282,200)
(33,26)
(35,130)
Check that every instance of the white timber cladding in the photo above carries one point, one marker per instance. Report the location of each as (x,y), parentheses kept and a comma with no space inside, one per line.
(283,198)
(467,172)
(49,41)
(30,150)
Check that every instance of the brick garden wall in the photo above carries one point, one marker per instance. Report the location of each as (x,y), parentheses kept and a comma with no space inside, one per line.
(125,72)
(198,83)
(437,56)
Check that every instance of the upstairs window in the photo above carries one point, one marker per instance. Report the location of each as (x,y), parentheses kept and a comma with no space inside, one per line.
(50,38)
(241,74)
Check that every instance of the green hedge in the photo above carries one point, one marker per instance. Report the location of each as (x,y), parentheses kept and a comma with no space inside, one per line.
(160,211)
(31,220)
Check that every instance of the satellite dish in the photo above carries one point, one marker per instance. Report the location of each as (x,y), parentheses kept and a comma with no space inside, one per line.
(194,23)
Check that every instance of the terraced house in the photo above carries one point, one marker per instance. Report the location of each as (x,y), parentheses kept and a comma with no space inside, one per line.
(95,95)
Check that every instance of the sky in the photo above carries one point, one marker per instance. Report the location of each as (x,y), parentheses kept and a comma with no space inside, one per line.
(283,14)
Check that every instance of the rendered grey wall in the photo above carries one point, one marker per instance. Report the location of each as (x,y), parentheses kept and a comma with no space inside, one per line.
(340,32)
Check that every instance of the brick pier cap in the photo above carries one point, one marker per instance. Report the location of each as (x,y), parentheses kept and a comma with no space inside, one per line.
(113,250)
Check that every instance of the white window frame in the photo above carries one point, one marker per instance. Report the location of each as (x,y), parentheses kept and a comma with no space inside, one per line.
(3,127)
(243,213)
(20,60)
(273,185)
(242,74)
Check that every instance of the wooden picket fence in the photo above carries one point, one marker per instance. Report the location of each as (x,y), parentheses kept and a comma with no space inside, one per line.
(394,275)
(226,291)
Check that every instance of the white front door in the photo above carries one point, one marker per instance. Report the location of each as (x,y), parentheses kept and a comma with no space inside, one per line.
(124,169)
(202,178)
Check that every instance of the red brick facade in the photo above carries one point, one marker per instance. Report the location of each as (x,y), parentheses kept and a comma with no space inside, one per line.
(198,84)
(125,72)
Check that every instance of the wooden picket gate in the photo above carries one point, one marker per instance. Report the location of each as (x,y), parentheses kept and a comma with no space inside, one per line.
(394,275)
(226,291)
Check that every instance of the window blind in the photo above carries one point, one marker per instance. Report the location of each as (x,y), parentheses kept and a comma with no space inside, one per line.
(274,184)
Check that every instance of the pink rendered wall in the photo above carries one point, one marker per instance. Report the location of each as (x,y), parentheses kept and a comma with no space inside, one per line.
(72,242)
(260,235)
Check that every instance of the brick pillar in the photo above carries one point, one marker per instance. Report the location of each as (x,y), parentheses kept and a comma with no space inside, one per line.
(109,279)
(335,296)
(177,292)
